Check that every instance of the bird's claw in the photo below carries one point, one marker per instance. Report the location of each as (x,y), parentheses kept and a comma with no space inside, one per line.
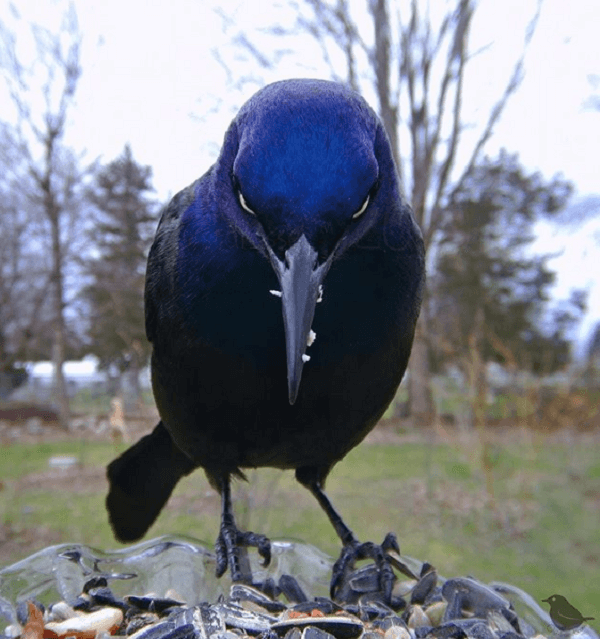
(230,545)
(355,551)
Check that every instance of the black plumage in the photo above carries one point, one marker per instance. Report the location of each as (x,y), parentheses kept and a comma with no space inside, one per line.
(282,293)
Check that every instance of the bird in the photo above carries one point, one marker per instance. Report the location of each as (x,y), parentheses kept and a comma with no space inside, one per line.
(563,614)
(282,292)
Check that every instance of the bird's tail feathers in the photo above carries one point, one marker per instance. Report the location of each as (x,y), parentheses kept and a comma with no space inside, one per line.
(141,481)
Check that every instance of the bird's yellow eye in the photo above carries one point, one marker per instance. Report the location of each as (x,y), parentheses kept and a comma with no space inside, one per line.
(362,209)
(244,204)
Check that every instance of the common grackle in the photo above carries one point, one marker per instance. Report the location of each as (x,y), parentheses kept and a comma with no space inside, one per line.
(563,614)
(300,216)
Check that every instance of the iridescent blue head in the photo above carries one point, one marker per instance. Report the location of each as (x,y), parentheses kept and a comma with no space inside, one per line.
(303,163)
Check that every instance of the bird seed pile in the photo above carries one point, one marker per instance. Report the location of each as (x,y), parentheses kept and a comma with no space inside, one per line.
(427,607)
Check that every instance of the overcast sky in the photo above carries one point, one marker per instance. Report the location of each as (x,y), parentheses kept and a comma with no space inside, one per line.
(150,78)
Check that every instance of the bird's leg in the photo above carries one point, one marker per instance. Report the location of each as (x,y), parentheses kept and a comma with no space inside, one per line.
(352,550)
(232,543)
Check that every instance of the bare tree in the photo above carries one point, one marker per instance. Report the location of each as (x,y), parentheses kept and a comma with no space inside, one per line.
(23,275)
(415,60)
(42,93)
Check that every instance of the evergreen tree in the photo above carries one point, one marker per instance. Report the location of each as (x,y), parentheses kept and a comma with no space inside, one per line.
(492,294)
(126,221)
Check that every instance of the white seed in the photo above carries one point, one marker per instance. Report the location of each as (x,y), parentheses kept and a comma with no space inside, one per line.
(105,619)
(417,618)
(305,358)
(320,298)
(397,632)
(311,337)
(276,293)
(13,631)
(435,613)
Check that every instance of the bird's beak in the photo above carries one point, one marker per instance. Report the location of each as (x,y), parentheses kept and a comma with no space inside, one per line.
(301,285)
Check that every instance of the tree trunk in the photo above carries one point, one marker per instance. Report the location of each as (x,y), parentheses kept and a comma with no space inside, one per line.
(419,387)
(53,213)
(59,346)
(59,383)
(129,387)
(477,373)
(387,110)
(478,388)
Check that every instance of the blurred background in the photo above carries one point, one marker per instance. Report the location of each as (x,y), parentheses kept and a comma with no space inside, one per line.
(493,111)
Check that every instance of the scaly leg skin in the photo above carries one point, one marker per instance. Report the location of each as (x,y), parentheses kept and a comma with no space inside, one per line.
(231,544)
(352,550)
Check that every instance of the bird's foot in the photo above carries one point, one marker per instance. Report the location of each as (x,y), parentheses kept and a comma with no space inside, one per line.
(231,550)
(380,554)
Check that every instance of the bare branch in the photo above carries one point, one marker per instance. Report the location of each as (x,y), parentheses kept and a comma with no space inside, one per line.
(457,59)
(420,67)
(513,84)
(39,132)
(336,23)
(241,39)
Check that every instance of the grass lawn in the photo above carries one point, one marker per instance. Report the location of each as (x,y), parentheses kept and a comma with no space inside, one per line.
(532,519)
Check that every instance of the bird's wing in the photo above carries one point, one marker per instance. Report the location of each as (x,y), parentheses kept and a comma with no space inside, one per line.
(161,271)
(567,614)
